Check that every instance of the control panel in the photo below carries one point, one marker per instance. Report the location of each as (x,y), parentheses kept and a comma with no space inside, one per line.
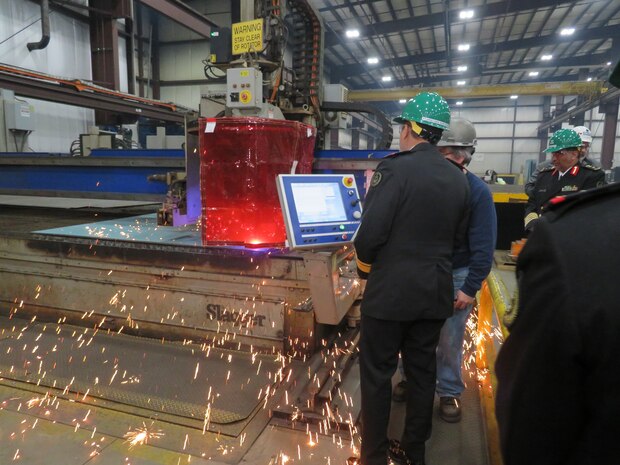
(319,209)
(244,88)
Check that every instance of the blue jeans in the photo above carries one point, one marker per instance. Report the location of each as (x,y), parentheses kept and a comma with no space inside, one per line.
(450,348)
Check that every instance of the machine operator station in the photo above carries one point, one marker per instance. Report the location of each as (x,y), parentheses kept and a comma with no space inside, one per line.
(181,183)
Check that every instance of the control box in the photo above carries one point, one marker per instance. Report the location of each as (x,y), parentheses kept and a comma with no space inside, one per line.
(244,88)
(221,45)
(319,209)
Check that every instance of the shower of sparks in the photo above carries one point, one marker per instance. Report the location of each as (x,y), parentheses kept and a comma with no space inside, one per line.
(141,436)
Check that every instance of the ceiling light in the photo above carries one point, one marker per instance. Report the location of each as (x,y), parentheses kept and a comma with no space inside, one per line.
(373,60)
(567,31)
(402,100)
(386,78)
(461,68)
(514,97)
(533,73)
(546,57)
(460,102)
(609,63)
(463,47)
(352,33)
(589,79)
(460,83)
(466,14)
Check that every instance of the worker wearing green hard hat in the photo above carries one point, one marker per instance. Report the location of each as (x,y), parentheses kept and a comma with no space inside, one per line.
(563,176)
(564,139)
(415,208)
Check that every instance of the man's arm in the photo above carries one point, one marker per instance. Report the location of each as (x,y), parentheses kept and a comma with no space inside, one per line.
(482,235)
(529,186)
(540,397)
(380,207)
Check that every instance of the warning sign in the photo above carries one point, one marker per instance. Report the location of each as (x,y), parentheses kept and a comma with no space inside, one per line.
(247,36)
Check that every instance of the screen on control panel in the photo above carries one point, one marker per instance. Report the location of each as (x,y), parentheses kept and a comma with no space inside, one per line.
(319,202)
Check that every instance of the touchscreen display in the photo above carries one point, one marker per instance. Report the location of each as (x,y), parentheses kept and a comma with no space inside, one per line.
(319,202)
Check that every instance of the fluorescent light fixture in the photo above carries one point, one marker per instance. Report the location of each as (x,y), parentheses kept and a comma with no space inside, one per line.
(546,57)
(463,47)
(460,83)
(466,14)
(567,31)
(460,102)
(534,73)
(609,63)
(386,78)
(373,60)
(352,33)
(514,97)
(461,68)
(402,100)
(589,79)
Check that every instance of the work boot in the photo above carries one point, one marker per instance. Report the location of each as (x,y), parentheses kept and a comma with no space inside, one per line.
(399,394)
(398,456)
(450,409)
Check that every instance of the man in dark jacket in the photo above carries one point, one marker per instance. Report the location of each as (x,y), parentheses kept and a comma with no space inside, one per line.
(558,376)
(415,210)
(565,175)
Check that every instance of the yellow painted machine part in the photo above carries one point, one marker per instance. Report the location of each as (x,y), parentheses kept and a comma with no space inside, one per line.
(509,197)
(500,90)
(485,364)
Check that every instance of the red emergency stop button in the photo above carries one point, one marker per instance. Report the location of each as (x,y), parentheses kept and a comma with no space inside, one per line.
(348,181)
(245,96)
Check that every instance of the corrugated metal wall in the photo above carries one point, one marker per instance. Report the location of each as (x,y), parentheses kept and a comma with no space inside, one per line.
(67,55)
(184,62)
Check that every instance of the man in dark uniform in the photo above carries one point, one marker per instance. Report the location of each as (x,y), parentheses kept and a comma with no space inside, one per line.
(414,211)
(586,141)
(565,176)
(558,373)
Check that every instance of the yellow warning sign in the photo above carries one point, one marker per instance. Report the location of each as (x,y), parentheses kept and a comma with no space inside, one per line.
(247,37)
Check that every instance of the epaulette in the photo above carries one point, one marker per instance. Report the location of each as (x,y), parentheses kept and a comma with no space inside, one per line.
(590,167)
(558,205)
(547,168)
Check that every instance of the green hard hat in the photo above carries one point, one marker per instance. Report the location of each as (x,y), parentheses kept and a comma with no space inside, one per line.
(427,108)
(564,139)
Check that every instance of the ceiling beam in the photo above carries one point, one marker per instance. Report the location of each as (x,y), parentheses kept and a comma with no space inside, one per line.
(604,32)
(438,19)
(182,14)
(501,90)
(80,94)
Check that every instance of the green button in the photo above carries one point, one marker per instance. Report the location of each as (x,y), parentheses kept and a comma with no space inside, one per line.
(342,227)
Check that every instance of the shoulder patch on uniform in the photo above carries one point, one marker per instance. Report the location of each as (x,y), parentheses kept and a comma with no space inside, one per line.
(547,168)
(376,179)
(591,167)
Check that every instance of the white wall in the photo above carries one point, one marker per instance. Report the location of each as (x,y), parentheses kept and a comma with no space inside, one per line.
(184,62)
(67,55)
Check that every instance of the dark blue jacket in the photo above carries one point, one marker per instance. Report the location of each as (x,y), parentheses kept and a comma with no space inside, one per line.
(477,252)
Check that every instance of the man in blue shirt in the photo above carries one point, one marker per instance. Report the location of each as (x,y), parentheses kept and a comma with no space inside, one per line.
(471,264)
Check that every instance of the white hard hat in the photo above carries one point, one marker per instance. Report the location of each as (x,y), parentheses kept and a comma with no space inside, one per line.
(461,133)
(584,133)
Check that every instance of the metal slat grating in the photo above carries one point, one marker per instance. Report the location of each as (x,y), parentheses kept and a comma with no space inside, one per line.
(162,377)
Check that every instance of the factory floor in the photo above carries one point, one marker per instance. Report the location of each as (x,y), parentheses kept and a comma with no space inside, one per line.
(39,425)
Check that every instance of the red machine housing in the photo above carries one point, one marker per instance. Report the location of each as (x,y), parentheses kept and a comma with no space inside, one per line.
(239,161)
